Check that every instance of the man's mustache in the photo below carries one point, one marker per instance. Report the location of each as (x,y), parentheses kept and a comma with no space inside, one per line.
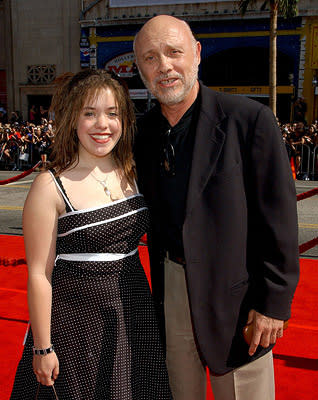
(167,76)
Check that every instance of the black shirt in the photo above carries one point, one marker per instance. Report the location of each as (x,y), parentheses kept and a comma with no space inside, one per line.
(174,188)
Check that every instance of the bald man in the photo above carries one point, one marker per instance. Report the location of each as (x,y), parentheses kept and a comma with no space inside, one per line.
(223,244)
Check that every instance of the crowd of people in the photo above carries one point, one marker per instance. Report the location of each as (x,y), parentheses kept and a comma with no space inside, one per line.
(24,143)
(301,141)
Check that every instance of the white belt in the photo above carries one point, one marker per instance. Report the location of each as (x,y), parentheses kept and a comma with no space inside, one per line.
(94,256)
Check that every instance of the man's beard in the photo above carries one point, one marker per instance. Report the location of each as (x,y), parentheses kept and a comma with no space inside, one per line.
(171,96)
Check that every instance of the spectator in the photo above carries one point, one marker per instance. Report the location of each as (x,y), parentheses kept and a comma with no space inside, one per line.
(32,114)
(300,109)
(3,115)
(44,113)
(14,117)
(297,138)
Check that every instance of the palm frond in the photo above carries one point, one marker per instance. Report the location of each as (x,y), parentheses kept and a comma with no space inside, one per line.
(263,7)
(244,4)
(286,8)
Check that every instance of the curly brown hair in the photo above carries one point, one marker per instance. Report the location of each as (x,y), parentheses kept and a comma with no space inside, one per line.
(71,93)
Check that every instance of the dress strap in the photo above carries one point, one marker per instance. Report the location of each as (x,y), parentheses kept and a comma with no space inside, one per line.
(137,189)
(60,187)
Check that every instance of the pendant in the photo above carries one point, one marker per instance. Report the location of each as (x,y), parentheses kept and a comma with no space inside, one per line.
(107,191)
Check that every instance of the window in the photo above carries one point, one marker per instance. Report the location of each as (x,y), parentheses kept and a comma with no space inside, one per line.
(41,74)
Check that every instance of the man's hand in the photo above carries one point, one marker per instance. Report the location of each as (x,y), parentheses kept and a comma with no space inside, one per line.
(265,330)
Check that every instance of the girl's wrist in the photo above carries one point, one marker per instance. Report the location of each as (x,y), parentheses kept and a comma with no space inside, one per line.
(39,344)
(43,351)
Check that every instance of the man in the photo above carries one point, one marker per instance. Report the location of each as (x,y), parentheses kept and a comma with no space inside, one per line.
(215,174)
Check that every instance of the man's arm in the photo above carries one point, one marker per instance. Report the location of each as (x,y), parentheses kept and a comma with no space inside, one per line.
(274,265)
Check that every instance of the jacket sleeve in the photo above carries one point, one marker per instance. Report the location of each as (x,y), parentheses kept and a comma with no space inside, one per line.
(273,259)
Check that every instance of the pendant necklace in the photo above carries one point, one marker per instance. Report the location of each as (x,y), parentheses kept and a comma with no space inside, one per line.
(103,182)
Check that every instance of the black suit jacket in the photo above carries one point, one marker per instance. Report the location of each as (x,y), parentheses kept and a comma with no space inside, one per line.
(240,230)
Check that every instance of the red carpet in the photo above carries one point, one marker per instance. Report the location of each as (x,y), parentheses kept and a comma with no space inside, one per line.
(296,355)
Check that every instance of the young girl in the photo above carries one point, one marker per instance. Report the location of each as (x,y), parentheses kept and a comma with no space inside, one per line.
(93,329)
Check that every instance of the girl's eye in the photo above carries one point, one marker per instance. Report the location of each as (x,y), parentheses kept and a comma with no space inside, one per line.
(88,114)
(113,114)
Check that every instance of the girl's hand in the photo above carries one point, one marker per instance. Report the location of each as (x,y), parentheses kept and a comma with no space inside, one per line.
(46,368)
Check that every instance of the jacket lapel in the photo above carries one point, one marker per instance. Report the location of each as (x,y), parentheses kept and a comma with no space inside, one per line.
(209,139)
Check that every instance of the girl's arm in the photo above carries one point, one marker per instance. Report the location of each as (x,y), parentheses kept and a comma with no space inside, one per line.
(40,229)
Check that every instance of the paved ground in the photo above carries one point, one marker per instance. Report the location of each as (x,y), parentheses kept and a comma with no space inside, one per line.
(12,198)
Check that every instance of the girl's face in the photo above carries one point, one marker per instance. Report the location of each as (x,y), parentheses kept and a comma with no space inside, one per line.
(99,125)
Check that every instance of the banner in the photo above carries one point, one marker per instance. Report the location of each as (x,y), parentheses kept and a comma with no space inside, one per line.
(122,65)
(314,50)
(136,3)
(85,52)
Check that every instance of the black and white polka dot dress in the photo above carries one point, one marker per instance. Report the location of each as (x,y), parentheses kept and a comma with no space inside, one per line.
(103,324)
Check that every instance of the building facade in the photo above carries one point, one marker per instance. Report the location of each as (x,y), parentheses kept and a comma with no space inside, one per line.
(41,41)
(61,36)
(3,62)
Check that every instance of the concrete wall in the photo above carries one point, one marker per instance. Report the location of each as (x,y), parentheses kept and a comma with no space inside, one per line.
(43,32)
(2,36)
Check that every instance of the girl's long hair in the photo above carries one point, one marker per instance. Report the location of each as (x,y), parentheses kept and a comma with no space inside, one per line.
(72,91)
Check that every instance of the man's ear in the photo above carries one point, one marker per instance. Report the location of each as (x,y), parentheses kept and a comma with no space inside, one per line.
(198,51)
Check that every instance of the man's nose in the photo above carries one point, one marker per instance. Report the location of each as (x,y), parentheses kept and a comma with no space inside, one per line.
(164,64)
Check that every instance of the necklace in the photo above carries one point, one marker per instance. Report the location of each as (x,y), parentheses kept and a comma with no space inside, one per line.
(103,183)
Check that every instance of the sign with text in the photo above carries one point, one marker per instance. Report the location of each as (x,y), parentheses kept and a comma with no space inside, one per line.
(253,90)
(136,94)
(84,58)
(122,65)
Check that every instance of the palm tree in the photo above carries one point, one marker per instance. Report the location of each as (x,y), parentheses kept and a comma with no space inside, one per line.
(286,8)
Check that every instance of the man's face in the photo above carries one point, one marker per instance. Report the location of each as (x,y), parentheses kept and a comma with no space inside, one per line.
(168,60)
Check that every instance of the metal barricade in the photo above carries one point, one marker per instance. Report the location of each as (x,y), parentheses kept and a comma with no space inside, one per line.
(9,163)
(20,160)
(308,162)
(314,169)
(305,160)
(2,158)
(303,150)
(26,157)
